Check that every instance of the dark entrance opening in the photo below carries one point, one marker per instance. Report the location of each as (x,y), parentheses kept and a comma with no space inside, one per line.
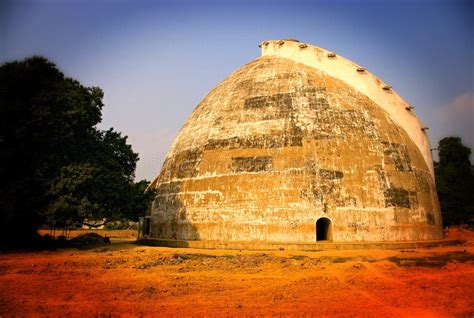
(323,230)
(143,227)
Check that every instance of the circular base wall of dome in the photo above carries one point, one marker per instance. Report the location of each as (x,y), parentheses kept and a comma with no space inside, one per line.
(281,246)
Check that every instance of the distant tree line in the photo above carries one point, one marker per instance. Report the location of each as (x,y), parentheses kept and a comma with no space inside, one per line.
(56,166)
(455,181)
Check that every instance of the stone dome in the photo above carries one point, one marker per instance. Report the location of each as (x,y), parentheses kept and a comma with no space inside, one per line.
(298,145)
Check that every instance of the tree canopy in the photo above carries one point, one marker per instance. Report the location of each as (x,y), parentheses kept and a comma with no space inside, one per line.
(56,166)
(455,181)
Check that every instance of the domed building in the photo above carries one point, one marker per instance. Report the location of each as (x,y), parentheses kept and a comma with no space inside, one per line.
(300,145)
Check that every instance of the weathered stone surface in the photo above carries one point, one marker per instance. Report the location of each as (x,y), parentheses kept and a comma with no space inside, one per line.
(252,164)
(277,146)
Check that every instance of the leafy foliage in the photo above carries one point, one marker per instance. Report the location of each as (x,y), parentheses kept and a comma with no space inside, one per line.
(455,181)
(55,165)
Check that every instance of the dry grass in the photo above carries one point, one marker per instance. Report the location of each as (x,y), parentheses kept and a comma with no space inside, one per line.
(127,280)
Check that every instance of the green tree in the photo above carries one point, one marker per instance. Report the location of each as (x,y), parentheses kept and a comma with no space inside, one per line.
(101,187)
(454,181)
(55,165)
(44,120)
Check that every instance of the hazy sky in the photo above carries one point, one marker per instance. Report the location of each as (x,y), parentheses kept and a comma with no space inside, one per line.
(155,60)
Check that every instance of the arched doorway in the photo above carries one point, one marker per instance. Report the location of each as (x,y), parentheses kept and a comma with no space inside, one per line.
(323,229)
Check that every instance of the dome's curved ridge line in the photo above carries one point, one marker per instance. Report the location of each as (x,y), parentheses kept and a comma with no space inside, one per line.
(359,78)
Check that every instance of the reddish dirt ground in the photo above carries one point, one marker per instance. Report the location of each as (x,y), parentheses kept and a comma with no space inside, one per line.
(125,280)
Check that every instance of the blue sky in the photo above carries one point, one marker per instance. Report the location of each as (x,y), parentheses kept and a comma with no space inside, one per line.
(156,60)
